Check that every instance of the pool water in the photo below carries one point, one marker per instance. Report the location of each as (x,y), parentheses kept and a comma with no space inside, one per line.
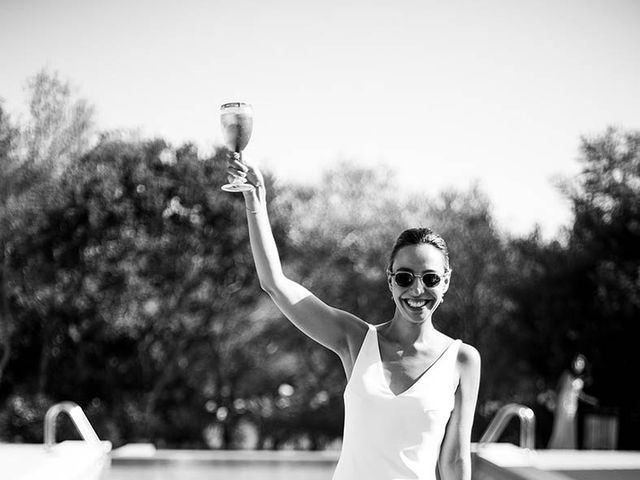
(220,471)
(494,461)
(508,462)
(619,474)
(146,463)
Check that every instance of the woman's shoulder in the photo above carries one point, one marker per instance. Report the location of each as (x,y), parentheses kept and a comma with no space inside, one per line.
(468,357)
(468,366)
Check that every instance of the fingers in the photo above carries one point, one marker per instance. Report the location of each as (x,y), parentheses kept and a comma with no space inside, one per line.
(233,172)
(233,161)
(238,167)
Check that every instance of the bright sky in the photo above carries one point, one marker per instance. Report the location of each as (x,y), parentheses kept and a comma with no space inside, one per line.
(448,93)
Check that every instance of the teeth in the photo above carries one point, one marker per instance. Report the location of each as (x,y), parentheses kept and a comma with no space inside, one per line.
(416,303)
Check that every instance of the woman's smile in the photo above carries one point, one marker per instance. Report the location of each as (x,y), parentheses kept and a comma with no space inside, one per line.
(417,303)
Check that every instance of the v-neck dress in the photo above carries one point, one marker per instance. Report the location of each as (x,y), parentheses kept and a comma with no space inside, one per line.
(390,436)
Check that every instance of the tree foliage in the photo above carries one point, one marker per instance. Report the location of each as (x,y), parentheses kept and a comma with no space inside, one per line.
(581,296)
(60,124)
(32,155)
(137,280)
(605,239)
(8,166)
(127,285)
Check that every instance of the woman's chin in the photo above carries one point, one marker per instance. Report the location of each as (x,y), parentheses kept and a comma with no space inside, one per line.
(416,313)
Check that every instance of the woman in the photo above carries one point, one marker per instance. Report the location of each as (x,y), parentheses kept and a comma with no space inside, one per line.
(565,420)
(411,391)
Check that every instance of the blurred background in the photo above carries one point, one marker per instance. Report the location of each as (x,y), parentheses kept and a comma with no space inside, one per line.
(126,280)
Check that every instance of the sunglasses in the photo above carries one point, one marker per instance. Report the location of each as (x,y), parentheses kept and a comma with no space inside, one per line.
(404,278)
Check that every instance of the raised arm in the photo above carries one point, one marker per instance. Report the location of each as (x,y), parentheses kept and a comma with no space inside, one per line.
(455,455)
(335,329)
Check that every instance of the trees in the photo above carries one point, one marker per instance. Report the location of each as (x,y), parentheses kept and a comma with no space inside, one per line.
(581,296)
(126,284)
(137,285)
(32,155)
(605,239)
(8,178)
(606,204)
(60,124)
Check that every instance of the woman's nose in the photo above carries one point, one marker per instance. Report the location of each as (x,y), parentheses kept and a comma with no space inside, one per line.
(417,286)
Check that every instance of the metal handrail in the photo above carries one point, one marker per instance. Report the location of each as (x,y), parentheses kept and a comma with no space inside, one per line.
(501,420)
(77,416)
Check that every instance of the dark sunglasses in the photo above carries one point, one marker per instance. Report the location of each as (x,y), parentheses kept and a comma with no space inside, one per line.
(404,278)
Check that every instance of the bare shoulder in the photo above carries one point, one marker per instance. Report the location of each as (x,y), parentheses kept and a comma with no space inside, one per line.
(468,355)
(469,360)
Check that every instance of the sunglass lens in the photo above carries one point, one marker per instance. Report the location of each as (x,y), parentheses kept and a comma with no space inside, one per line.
(404,279)
(431,279)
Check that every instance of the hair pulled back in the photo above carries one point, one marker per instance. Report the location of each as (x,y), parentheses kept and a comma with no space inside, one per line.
(420,236)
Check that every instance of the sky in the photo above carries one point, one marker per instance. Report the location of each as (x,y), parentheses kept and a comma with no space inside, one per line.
(449,94)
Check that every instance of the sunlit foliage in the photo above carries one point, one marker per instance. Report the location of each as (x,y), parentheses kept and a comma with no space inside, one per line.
(127,285)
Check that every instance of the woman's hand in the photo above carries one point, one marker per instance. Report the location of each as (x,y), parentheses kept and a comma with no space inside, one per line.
(246,170)
(243,169)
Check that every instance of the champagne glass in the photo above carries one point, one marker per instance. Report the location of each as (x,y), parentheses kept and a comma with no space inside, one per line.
(237,123)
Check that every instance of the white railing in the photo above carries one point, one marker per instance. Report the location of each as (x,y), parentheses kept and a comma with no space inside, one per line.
(502,419)
(78,418)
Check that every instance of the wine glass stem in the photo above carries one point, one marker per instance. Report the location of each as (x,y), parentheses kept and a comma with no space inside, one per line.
(240,180)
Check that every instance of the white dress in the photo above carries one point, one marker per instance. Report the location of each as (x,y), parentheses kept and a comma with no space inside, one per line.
(389,436)
(565,428)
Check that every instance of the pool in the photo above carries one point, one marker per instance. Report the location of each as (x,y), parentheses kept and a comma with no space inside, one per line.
(503,461)
(144,462)
(495,461)
(70,460)
(78,460)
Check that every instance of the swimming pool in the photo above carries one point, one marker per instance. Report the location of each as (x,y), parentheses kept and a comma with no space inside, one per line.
(503,461)
(73,460)
(496,461)
(144,462)
(70,460)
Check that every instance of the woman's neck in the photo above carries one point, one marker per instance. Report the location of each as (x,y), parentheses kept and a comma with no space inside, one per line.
(407,333)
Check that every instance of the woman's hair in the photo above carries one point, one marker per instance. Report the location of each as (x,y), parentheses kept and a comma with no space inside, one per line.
(420,236)
(579,364)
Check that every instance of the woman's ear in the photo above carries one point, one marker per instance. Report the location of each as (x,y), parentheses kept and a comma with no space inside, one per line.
(446,282)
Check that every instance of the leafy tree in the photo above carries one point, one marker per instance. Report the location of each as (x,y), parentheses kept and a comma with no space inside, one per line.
(581,296)
(8,167)
(605,239)
(137,289)
(57,131)
(127,284)
(60,124)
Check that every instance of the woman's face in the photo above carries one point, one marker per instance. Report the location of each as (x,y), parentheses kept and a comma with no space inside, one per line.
(579,364)
(417,302)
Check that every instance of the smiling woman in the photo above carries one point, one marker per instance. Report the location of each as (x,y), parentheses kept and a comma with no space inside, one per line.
(411,391)
(419,249)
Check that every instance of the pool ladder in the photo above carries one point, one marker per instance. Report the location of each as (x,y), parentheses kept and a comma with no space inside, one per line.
(77,416)
(502,419)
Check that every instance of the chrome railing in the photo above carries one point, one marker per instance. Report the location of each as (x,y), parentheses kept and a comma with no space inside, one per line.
(502,419)
(77,416)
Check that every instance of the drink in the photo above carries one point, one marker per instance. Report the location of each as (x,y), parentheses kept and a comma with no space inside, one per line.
(236,127)
(237,123)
